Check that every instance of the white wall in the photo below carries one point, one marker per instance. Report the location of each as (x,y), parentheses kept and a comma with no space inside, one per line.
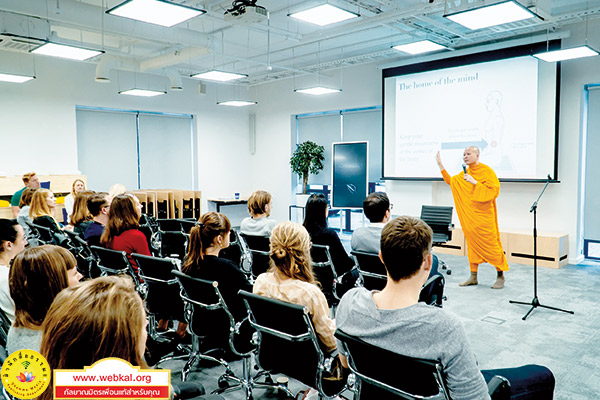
(557,211)
(38,125)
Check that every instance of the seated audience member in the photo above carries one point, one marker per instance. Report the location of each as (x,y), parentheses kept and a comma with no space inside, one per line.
(42,208)
(315,222)
(121,232)
(116,190)
(290,278)
(100,318)
(36,276)
(377,209)
(12,242)
(207,239)
(81,218)
(259,207)
(78,186)
(30,180)
(98,205)
(393,319)
(23,218)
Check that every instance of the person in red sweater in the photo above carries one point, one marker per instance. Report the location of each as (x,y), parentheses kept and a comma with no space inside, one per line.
(121,232)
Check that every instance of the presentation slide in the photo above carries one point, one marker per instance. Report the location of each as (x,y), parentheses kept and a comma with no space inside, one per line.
(505,107)
(350,174)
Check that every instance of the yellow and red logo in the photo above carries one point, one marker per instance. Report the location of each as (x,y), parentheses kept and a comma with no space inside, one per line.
(25,374)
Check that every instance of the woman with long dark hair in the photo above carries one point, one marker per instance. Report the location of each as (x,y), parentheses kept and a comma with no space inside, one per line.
(207,239)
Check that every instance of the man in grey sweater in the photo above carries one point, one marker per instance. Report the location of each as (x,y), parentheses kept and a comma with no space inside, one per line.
(394,319)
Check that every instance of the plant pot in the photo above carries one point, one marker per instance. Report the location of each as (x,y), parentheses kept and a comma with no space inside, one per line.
(301,199)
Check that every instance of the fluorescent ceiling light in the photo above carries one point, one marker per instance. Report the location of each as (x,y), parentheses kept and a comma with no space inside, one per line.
(317,90)
(219,76)
(159,12)
(15,78)
(324,14)
(65,51)
(567,54)
(236,103)
(424,46)
(142,92)
(495,14)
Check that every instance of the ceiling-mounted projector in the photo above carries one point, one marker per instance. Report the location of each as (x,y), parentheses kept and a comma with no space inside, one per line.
(246,12)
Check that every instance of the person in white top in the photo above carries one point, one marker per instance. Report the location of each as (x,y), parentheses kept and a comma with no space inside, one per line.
(259,207)
(78,186)
(12,242)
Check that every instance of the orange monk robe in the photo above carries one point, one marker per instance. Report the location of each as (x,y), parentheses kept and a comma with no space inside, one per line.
(478,215)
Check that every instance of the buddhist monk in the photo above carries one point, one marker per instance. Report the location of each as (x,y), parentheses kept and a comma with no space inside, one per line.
(475,194)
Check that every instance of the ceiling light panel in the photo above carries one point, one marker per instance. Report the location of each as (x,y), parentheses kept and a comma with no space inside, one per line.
(423,46)
(64,51)
(142,92)
(567,54)
(158,12)
(492,15)
(317,90)
(236,103)
(219,76)
(15,78)
(324,14)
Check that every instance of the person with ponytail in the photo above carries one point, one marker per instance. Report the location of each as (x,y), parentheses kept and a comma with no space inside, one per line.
(207,239)
(290,278)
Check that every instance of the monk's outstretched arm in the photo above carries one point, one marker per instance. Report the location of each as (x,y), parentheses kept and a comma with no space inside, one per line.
(445,174)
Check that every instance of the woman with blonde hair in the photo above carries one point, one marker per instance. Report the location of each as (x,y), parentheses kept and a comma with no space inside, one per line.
(78,187)
(259,207)
(100,318)
(36,276)
(41,210)
(207,239)
(81,218)
(290,278)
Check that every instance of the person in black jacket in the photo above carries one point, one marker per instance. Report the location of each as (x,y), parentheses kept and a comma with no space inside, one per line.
(315,222)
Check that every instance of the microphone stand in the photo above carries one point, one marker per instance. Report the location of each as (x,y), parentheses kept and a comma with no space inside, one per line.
(535,302)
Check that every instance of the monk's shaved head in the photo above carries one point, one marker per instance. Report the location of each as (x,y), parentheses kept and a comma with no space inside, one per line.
(473,148)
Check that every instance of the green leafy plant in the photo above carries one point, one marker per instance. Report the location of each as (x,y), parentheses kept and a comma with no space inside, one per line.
(307,159)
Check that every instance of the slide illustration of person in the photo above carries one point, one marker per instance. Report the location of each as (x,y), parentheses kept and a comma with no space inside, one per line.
(475,194)
(493,128)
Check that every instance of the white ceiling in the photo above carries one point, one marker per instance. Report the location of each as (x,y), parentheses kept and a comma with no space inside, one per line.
(279,48)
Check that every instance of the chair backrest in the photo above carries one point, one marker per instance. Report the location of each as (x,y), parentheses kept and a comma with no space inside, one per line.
(324,272)
(4,327)
(383,374)
(113,262)
(287,340)
(173,244)
(259,247)
(163,299)
(45,234)
(187,224)
(209,317)
(371,268)
(169,224)
(439,218)
(87,263)
(235,251)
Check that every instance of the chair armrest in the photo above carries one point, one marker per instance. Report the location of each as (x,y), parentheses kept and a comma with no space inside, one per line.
(499,388)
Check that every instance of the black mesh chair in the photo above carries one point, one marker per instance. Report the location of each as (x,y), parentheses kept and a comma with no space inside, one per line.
(439,218)
(215,331)
(173,244)
(87,264)
(169,224)
(288,344)
(259,248)
(112,262)
(372,270)
(419,379)
(163,300)
(325,273)
(46,235)
(4,327)
(236,252)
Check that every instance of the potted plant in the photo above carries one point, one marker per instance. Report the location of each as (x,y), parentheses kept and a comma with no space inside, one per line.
(307,159)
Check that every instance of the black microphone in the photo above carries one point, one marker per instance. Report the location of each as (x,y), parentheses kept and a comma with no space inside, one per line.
(465,168)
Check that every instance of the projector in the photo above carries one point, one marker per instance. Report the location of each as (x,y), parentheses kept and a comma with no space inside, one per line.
(246,12)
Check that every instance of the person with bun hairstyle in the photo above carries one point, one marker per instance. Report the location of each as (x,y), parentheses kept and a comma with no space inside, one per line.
(37,275)
(290,278)
(12,242)
(259,207)
(207,239)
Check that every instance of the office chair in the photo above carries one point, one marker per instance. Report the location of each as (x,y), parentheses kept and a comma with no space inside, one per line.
(113,262)
(439,218)
(259,249)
